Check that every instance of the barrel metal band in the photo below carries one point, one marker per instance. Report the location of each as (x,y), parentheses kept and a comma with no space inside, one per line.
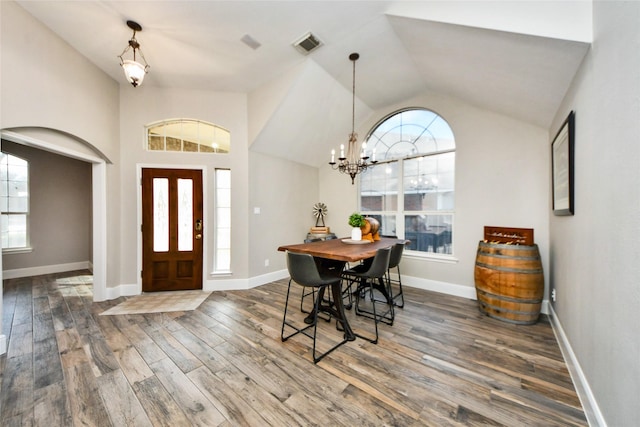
(511,270)
(510,299)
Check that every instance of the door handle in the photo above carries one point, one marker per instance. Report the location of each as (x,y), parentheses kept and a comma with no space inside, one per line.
(198,236)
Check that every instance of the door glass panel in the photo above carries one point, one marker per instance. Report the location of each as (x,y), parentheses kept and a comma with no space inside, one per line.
(185,214)
(160,214)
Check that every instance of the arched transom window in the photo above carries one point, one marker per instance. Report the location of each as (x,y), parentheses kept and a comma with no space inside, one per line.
(187,135)
(411,188)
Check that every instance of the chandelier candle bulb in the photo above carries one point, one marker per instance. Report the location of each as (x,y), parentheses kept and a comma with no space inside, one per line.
(342,152)
(333,156)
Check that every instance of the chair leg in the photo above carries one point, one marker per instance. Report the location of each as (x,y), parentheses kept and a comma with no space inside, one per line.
(313,324)
(400,294)
(361,292)
(306,294)
(296,329)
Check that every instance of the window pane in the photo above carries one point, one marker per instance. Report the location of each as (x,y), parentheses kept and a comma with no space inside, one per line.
(379,188)
(160,214)
(190,132)
(14,231)
(222,260)
(224,218)
(18,204)
(223,178)
(185,214)
(156,143)
(224,198)
(188,135)
(429,233)
(428,183)
(14,200)
(174,144)
(387,224)
(410,132)
(224,238)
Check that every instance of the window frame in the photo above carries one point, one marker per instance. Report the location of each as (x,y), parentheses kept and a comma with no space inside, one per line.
(26,213)
(215,129)
(401,213)
(217,270)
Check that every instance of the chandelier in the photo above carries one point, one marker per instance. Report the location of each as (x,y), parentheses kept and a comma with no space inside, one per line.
(356,159)
(133,70)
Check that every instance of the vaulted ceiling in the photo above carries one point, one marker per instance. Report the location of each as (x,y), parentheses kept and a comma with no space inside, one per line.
(516,58)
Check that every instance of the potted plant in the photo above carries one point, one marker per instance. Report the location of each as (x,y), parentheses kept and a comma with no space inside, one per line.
(356,221)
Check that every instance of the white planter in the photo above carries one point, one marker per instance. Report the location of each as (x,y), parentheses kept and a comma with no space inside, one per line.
(356,233)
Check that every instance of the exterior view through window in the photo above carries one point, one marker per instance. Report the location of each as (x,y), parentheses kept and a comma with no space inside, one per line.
(222,261)
(14,201)
(411,188)
(188,135)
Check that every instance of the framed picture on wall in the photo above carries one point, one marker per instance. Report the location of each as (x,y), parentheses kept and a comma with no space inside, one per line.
(562,162)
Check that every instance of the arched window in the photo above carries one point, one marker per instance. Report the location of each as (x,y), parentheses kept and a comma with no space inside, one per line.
(411,188)
(188,135)
(14,201)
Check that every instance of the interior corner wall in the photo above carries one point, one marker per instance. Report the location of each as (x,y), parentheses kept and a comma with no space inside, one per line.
(283,192)
(502,179)
(595,253)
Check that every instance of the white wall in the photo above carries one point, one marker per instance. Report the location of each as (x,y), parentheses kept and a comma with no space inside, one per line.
(502,179)
(47,83)
(285,193)
(595,253)
(146,104)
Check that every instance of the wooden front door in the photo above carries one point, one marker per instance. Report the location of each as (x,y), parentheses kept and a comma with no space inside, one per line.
(172,229)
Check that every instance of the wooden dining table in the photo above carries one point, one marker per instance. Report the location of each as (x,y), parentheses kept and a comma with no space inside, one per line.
(340,252)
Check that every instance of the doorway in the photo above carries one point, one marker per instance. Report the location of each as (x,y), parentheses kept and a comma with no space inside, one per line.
(172,229)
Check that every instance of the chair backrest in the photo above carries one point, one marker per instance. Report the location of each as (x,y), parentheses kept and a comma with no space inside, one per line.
(380,263)
(396,255)
(303,270)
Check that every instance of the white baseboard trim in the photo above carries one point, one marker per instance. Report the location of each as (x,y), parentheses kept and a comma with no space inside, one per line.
(3,344)
(441,287)
(268,278)
(588,400)
(124,290)
(252,282)
(46,269)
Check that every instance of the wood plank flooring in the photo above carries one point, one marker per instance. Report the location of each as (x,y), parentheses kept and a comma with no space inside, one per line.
(442,363)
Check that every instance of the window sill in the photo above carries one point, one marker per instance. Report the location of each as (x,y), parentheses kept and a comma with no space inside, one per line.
(443,258)
(12,251)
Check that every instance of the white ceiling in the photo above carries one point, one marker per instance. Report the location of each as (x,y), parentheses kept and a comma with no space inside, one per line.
(406,48)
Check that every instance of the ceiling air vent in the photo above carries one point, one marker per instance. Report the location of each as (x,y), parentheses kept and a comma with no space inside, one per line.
(307,44)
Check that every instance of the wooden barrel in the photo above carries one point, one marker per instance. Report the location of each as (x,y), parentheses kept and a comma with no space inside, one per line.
(509,282)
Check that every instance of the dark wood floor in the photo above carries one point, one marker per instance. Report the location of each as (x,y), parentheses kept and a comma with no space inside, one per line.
(441,363)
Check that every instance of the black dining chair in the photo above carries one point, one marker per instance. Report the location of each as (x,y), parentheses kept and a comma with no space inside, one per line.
(394,262)
(304,271)
(370,281)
